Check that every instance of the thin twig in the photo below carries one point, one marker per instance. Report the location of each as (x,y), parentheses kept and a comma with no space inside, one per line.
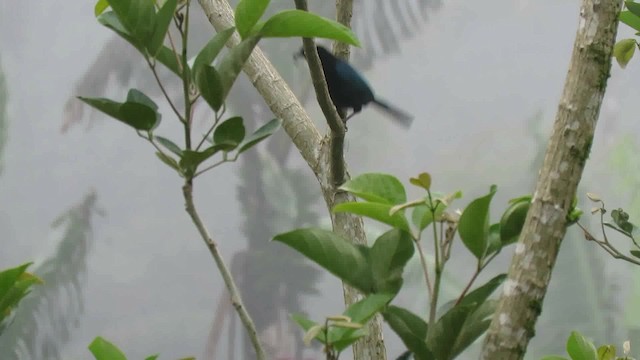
(425,267)
(438,266)
(219,115)
(224,160)
(186,81)
(236,300)
(607,246)
(164,91)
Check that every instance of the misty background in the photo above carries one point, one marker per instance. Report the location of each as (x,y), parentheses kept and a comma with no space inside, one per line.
(483,80)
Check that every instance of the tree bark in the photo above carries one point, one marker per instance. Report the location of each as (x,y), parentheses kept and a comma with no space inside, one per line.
(535,254)
(313,147)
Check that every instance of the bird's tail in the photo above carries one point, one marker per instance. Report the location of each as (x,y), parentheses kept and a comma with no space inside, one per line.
(398,115)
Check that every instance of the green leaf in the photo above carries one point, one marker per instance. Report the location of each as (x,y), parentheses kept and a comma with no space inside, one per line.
(630,19)
(579,348)
(554,357)
(191,159)
(635,253)
(101,6)
(138,17)
(344,260)
(388,257)
(211,50)
(633,7)
(359,312)
(442,336)
(229,134)
(307,324)
(623,51)
(474,224)
(493,240)
(171,162)
(169,145)
(140,116)
(136,115)
(482,293)
(621,218)
(375,211)
(137,96)
(411,329)
(234,60)
(262,133)
(474,326)
(513,219)
(210,86)
(15,284)
(169,59)
(423,217)
(298,23)
(104,350)
(374,187)
(248,12)
(162,22)
(423,180)
(152,357)
(607,352)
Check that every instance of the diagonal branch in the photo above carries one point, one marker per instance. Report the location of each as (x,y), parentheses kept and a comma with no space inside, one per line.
(567,152)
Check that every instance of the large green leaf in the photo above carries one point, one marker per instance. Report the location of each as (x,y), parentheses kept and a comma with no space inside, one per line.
(248,12)
(474,224)
(411,329)
(374,187)
(580,348)
(298,23)
(623,51)
(169,59)
(346,261)
(169,145)
(210,51)
(388,257)
(15,284)
(474,326)
(210,86)
(630,19)
(162,22)
(233,61)
(513,219)
(138,17)
(443,335)
(104,350)
(229,134)
(139,111)
(633,6)
(262,133)
(376,211)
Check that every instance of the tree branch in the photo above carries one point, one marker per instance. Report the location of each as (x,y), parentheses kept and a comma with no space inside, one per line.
(567,152)
(236,300)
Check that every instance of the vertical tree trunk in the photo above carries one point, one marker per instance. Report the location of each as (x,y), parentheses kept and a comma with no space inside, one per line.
(535,254)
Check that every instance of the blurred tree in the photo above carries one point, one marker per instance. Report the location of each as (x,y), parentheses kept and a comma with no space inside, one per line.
(44,320)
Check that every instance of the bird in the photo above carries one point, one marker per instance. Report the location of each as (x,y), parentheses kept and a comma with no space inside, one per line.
(349,90)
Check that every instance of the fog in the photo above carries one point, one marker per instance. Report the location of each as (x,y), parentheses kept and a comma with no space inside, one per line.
(482,79)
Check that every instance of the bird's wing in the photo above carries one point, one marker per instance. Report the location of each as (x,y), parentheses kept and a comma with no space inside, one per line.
(348,74)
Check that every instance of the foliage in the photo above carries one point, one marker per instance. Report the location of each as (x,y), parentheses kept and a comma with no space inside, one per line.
(44,320)
(145,27)
(377,270)
(581,348)
(625,48)
(15,284)
(102,349)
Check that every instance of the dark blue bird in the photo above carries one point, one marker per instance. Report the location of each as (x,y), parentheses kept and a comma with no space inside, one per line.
(349,90)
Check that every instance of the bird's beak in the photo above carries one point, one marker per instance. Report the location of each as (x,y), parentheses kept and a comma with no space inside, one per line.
(297,55)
